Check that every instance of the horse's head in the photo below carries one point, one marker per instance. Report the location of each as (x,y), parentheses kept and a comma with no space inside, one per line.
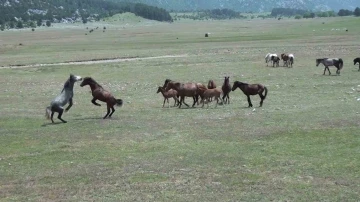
(318,61)
(86,81)
(74,78)
(160,89)
(235,85)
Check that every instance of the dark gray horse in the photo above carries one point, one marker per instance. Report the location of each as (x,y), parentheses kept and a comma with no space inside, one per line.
(337,62)
(357,60)
(66,95)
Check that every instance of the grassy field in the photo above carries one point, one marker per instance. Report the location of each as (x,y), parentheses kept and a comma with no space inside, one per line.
(302,145)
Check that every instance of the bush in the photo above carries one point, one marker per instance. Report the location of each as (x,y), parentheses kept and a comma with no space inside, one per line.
(298,17)
(48,23)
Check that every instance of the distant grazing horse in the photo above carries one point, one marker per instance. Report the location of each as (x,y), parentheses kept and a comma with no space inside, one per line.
(337,62)
(251,89)
(291,59)
(66,95)
(275,60)
(184,90)
(168,94)
(357,60)
(285,59)
(268,57)
(99,93)
(226,89)
(208,94)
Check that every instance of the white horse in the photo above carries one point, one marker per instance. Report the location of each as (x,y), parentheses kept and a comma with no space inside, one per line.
(291,59)
(268,57)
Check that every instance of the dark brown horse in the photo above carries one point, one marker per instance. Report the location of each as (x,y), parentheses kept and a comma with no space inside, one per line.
(357,60)
(251,89)
(226,89)
(275,60)
(99,93)
(184,90)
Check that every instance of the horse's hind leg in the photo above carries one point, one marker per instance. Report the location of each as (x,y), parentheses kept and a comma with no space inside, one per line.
(108,112)
(113,110)
(60,114)
(328,70)
(262,99)
(52,115)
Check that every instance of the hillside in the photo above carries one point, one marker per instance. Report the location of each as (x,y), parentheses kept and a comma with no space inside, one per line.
(19,13)
(251,5)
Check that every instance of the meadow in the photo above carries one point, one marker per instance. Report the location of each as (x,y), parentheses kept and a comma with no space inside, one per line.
(302,145)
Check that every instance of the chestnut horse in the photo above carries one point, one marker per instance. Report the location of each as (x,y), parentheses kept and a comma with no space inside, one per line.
(99,93)
(226,89)
(211,84)
(184,90)
(285,59)
(251,89)
(209,93)
(168,94)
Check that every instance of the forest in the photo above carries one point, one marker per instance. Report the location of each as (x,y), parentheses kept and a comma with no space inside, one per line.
(16,14)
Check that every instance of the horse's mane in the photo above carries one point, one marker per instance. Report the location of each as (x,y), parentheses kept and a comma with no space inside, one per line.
(241,83)
(91,80)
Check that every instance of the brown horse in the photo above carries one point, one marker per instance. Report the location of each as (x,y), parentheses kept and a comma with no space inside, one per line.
(184,90)
(168,94)
(210,93)
(99,93)
(285,59)
(251,89)
(211,84)
(226,89)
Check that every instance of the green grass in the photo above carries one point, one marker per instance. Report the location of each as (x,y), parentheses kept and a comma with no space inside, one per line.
(302,145)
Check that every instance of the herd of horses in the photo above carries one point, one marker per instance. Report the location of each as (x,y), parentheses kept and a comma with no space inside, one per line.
(178,90)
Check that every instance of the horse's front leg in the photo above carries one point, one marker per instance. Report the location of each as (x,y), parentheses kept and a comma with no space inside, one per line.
(328,70)
(70,104)
(249,100)
(94,102)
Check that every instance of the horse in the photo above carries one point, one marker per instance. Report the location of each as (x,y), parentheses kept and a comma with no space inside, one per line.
(66,95)
(291,59)
(168,94)
(337,62)
(268,57)
(285,59)
(357,60)
(210,93)
(184,90)
(275,60)
(99,93)
(251,89)
(226,89)
(211,85)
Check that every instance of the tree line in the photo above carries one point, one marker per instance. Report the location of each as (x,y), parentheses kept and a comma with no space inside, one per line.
(299,13)
(17,14)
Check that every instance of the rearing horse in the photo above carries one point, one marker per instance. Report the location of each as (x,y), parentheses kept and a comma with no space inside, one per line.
(251,89)
(99,93)
(66,95)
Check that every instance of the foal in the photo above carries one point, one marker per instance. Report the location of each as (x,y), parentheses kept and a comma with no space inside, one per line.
(210,93)
(99,93)
(251,89)
(168,94)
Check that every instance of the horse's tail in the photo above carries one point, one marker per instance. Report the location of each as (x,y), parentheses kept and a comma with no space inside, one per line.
(119,102)
(341,63)
(266,91)
(47,112)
